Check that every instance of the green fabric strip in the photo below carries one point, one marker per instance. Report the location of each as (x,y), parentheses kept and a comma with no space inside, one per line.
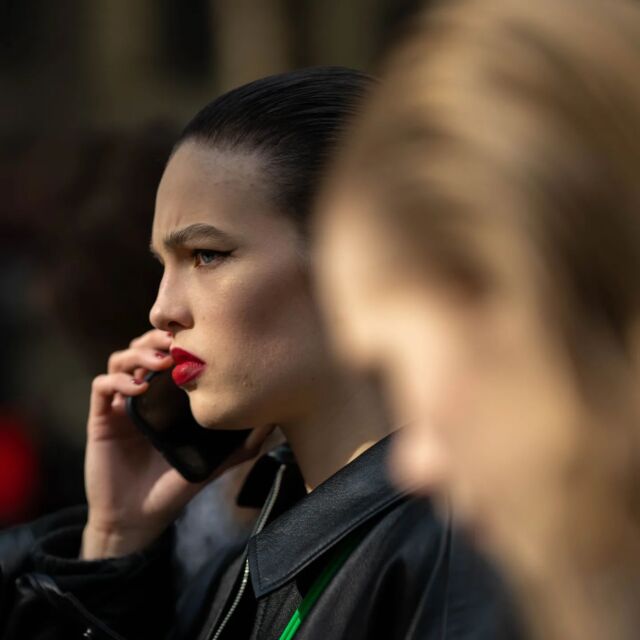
(319,585)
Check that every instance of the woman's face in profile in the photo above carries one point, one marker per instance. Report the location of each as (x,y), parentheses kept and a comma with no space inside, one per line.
(234,291)
(489,405)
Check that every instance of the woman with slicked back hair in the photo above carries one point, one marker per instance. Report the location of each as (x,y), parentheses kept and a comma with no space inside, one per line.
(482,237)
(337,551)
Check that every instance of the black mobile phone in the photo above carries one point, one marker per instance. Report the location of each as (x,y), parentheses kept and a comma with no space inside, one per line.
(163,414)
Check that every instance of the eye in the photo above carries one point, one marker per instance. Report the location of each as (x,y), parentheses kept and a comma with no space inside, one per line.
(157,258)
(207,257)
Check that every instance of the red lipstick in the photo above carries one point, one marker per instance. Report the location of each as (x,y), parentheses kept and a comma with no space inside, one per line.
(188,367)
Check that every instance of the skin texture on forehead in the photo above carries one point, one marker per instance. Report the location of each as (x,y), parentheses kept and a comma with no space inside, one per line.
(239,175)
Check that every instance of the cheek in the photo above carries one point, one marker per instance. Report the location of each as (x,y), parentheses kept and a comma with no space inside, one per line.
(352,320)
(460,415)
(525,404)
(277,306)
(427,374)
(259,313)
(511,458)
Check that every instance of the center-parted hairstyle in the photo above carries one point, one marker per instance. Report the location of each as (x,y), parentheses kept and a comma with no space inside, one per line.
(292,120)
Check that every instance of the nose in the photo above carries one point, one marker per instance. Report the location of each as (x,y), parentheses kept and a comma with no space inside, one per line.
(170,311)
(419,461)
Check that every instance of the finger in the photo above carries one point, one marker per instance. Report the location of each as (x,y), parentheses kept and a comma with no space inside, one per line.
(119,403)
(106,386)
(153,339)
(139,358)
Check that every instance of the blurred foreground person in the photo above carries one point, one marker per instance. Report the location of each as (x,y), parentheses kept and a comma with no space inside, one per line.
(338,551)
(480,246)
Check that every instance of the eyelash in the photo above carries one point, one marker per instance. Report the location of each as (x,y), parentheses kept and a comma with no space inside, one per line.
(197,254)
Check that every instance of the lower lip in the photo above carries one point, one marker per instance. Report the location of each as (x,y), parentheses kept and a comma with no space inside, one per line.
(186,372)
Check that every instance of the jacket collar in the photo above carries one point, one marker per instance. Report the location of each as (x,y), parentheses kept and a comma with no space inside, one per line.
(355,494)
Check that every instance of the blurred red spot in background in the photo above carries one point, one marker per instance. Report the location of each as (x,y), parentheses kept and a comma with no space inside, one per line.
(19,476)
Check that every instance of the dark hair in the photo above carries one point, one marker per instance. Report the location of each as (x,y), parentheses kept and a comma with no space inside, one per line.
(293,119)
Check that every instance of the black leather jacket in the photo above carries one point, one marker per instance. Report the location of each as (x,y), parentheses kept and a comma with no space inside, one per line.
(409,576)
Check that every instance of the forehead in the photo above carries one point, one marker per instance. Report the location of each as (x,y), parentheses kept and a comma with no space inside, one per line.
(206,185)
(350,240)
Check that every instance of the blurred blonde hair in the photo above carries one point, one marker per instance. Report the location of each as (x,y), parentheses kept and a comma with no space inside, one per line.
(525,115)
(520,113)
(499,114)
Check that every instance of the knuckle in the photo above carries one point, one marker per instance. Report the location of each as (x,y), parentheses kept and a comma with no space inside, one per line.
(148,335)
(158,336)
(113,359)
(97,382)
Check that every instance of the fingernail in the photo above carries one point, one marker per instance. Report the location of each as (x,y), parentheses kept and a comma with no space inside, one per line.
(158,354)
(136,381)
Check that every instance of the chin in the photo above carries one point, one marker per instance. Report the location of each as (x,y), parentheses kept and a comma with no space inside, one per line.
(216,413)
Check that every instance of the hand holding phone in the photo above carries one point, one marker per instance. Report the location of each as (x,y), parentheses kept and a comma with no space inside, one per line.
(163,414)
(132,491)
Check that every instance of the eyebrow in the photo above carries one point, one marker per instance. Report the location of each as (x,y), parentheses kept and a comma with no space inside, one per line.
(193,232)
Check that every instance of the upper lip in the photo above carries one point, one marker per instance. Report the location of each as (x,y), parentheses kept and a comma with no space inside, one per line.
(180,356)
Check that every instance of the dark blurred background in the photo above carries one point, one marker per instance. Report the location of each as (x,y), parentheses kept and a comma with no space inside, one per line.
(92,94)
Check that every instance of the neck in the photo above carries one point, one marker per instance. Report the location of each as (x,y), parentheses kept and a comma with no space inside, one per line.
(349,418)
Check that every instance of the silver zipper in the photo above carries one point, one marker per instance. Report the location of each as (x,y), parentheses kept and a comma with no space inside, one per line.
(262,519)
